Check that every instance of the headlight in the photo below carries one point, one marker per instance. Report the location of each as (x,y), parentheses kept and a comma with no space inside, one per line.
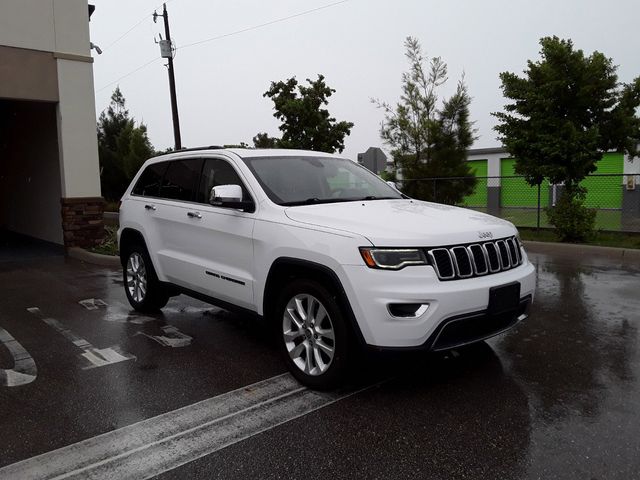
(392,258)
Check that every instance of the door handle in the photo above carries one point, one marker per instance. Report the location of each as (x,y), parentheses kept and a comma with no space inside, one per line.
(194,215)
(150,207)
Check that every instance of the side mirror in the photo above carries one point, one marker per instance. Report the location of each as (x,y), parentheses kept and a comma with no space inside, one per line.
(229,196)
(392,184)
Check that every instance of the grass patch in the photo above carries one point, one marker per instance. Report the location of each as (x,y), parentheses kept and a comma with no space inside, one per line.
(605,239)
(109,245)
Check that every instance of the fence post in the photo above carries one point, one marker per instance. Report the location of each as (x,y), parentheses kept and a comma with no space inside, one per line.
(538,219)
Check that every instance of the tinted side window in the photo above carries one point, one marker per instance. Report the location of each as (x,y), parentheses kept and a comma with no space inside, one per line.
(148,184)
(218,172)
(180,180)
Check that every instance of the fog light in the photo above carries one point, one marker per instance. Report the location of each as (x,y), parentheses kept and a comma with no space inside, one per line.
(407,310)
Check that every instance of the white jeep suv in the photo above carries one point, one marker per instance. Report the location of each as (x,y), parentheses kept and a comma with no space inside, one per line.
(324,249)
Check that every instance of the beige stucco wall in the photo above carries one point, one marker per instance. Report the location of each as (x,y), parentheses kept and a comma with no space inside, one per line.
(77,130)
(60,27)
(47,25)
(28,74)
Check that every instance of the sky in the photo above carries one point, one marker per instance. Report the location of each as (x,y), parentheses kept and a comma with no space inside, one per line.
(356,44)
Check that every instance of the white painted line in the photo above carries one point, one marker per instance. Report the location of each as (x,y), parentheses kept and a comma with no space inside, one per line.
(168,441)
(93,303)
(187,309)
(172,337)
(97,357)
(24,369)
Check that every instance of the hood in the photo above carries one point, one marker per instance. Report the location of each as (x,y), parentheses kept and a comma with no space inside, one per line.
(404,223)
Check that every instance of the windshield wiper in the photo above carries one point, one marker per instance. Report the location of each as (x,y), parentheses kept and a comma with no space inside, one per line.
(308,201)
(316,200)
(373,197)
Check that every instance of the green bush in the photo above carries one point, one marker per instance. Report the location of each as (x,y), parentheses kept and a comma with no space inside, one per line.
(573,221)
(109,245)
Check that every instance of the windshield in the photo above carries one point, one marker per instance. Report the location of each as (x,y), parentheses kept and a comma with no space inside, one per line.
(307,180)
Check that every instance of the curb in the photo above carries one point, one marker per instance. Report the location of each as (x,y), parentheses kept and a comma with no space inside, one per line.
(579,251)
(93,258)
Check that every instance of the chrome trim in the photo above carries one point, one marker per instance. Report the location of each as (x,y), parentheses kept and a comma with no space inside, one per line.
(493,244)
(473,259)
(503,266)
(514,257)
(435,263)
(516,249)
(423,308)
(455,262)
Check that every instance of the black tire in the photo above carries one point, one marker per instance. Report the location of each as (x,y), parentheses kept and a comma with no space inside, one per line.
(156,295)
(337,366)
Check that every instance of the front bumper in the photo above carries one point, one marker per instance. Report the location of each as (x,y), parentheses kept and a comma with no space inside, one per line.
(457,312)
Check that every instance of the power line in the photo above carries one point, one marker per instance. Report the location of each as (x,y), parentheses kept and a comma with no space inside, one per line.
(128,74)
(262,25)
(136,25)
(125,34)
(255,27)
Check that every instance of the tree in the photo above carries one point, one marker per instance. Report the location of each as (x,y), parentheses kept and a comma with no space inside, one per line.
(427,139)
(263,140)
(122,147)
(566,112)
(304,123)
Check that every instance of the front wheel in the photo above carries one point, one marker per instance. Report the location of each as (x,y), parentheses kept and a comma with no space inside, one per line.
(144,291)
(312,334)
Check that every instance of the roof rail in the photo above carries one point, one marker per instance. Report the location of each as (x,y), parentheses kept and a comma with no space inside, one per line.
(209,147)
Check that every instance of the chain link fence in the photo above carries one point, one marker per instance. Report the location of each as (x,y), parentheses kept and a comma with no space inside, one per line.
(615,197)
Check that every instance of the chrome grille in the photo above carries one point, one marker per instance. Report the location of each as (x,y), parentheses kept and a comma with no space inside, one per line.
(494,258)
(466,261)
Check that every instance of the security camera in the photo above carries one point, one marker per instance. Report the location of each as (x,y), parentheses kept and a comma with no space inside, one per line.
(96,48)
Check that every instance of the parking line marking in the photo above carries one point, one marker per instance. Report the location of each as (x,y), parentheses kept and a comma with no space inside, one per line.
(93,303)
(97,357)
(165,442)
(172,337)
(24,369)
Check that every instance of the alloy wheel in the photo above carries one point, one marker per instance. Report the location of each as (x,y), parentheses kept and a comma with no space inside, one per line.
(308,333)
(136,277)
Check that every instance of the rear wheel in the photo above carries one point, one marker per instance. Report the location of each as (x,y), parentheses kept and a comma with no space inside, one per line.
(312,334)
(144,291)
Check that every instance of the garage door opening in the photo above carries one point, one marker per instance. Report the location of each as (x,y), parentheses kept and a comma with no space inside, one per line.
(30,186)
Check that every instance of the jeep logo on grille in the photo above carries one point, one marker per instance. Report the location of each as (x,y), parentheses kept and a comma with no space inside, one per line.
(483,235)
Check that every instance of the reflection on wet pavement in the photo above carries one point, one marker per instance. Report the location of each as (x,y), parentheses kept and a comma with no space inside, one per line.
(577,358)
(556,397)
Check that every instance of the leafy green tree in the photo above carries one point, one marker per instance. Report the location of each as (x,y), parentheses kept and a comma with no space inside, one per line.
(305,124)
(236,145)
(122,147)
(565,113)
(428,139)
(263,140)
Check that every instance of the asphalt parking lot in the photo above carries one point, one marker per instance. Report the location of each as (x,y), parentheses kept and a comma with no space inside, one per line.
(90,390)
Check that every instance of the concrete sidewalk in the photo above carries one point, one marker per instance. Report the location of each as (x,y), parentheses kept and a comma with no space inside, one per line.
(585,254)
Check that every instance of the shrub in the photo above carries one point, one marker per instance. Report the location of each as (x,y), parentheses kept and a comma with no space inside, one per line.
(572,220)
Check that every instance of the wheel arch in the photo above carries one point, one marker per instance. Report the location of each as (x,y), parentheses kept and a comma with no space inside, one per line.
(285,269)
(128,237)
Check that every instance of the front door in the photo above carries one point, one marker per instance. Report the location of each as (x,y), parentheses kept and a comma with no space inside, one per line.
(211,248)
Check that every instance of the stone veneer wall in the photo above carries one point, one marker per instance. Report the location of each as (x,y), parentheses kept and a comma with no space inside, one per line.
(82,222)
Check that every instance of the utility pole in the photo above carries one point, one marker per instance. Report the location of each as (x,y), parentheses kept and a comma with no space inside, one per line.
(166,51)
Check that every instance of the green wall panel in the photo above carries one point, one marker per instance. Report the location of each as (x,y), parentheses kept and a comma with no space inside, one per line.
(515,192)
(479,197)
(605,192)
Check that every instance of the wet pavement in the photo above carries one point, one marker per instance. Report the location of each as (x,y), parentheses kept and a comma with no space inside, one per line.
(556,397)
